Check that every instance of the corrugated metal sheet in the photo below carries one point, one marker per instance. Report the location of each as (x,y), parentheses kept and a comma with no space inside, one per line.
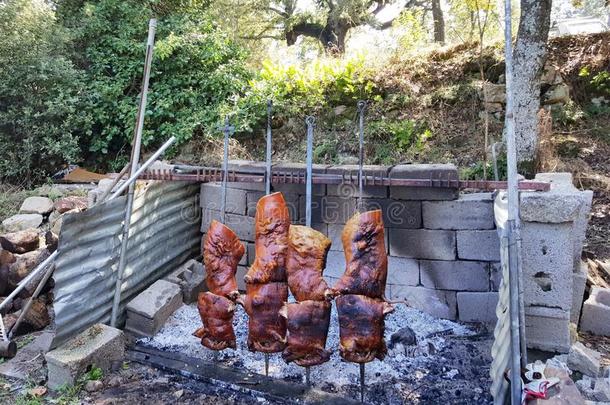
(163,234)
(501,348)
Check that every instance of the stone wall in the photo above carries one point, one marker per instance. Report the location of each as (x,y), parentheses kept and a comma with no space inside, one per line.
(443,246)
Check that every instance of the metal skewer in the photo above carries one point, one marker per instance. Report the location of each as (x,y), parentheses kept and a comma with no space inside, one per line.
(362,382)
(268,179)
(361,108)
(228,131)
(310,121)
(267,364)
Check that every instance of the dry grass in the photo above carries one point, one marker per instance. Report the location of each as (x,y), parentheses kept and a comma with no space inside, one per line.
(11,198)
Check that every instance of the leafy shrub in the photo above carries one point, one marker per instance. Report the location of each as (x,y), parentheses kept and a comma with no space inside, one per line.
(195,70)
(299,91)
(41,122)
(404,133)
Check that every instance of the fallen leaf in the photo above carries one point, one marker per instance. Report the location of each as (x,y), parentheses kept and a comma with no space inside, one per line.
(38,391)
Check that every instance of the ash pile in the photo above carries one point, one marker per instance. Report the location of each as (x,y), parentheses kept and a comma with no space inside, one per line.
(446,361)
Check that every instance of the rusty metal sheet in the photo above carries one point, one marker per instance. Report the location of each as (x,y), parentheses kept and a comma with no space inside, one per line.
(164,233)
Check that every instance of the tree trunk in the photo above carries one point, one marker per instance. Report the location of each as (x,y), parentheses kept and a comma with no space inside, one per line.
(439,22)
(529,57)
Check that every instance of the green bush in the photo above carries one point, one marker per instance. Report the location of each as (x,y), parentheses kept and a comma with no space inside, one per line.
(195,70)
(41,121)
(404,134)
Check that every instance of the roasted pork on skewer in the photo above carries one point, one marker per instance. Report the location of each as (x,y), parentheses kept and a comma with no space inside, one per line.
(308,323)
(272,222)
(365,256)
(266,327)
(222,251)
(306,259)
(361,327)
(217,316)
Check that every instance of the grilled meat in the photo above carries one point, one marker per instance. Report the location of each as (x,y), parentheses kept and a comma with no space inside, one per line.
(365,256)
(361,327)
(222,251)
(266,327)
(306,259)
(272,222)
(217,316)
(308,323)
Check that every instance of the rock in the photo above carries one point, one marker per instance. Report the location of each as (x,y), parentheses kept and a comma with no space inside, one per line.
(20,241)
(559,93)
(115,381)
(340,109)
(4,283)
(93,386)
(25,263)
(36,205)
(38,315)
(404,336)
(70,203)
(601,389)
(550,75)
(585,360)
(6,257)
(20,222)
(51,240)
(493,107)
(178,394)
(493,93)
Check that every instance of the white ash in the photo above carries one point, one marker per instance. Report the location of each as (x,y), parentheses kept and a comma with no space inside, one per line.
(177,336)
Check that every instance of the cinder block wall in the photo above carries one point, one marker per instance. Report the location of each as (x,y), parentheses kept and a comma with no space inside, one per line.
(443,246)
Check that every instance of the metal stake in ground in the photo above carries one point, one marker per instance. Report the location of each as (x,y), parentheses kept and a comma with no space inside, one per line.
(361,108)
(362,382)
(310,121)
(135,159)
(227,131)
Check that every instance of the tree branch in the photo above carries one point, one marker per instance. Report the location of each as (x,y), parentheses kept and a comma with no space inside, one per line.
(312,30)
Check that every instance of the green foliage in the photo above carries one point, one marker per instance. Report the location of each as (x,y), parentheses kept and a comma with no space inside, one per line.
(568,114)
(94,374)
(41,121)
(413,34)
(195,69)
(599,83)
(475,170)
(404,134)
(295,91)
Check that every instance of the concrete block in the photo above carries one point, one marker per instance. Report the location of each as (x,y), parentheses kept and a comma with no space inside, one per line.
(477,306)
(560,204)
(478,245)
(100,346)
(440,304)
(351,189)
(299,168)
(190,277)
(252,198)
(547,329)
(495,276)
(595,316)
(425,172)
(242,225)
(403,271)
(239,275)
(422,244)
(579,281)
(250,252)
(585,360)
(335,264)
(547,264)
(247,166)
(328,209)
(210,197)
(470,211)
(148,311)
(396,213)
(455,275)
(292,202)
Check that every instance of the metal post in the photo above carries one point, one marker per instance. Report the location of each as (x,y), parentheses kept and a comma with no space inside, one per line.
(362,382)
(135,158)
(361,108)
(310,121)
(268,157)
(227,131)
(513,217)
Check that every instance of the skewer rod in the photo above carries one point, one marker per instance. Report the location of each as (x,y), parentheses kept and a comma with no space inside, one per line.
(268,177)
(267,364)
(307,376)
(227,129)
(310,121)
(362,382)
(361,107)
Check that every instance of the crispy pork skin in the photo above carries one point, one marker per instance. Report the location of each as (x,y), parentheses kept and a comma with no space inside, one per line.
(217,316)
(365,256)
(361,327)
(306,259)
(222,251)
(266,327)
(272,222)
(308,323)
